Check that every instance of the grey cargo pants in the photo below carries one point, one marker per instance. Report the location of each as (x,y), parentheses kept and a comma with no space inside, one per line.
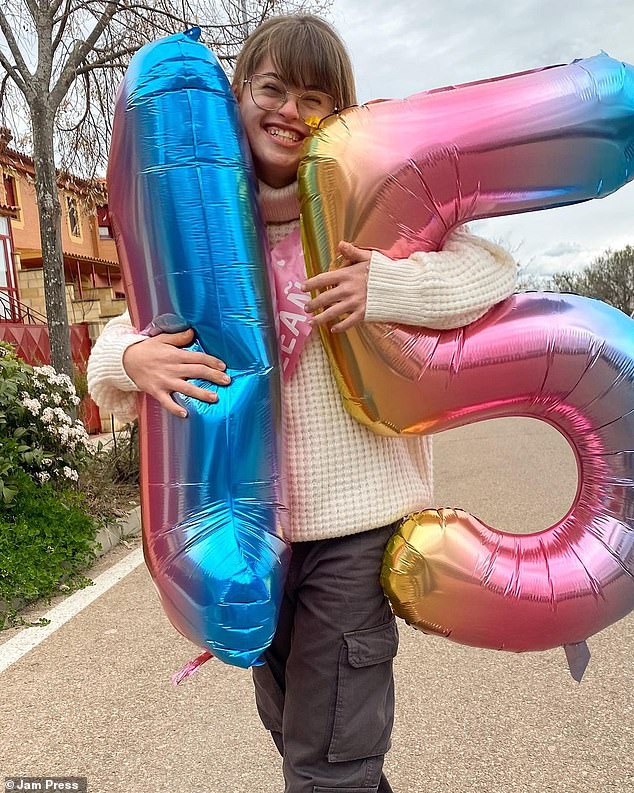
(326,691)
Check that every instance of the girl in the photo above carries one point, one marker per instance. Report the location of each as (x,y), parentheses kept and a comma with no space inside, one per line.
(326,691)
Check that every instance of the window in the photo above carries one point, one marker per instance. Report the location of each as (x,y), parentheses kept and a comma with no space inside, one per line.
(10,192)
(73,217)
(11,197)
(103,222)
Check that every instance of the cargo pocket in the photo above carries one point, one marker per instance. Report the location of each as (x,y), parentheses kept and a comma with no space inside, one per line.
(268,698)
(344,789)
(364,711)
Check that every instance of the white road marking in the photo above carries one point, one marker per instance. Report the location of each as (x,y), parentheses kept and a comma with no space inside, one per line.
(13,649)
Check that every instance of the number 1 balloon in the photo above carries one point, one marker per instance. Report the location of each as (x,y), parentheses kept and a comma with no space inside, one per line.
(397,176)
(182,199)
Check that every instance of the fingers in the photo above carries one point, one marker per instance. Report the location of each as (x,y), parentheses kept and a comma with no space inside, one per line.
(165,401)
(349,322)
(352,317)
(353,274)
(347,299)
(195,371)
(184,338)
(321,281)
(352,254)
(335,295)
(332,312)
(186,388)
(179,339)
(201,359)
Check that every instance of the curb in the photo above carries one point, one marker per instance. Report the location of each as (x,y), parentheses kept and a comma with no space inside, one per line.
(109,536)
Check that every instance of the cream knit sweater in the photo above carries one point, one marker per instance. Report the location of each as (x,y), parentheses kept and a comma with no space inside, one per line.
(343,478)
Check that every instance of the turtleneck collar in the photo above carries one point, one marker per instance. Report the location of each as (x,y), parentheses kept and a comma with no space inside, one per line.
(279,204)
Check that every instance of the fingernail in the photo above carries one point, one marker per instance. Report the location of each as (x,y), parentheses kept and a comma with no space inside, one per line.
(183,414)
(225,379)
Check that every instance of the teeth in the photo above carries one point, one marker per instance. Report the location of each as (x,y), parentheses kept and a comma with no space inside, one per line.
(282,133)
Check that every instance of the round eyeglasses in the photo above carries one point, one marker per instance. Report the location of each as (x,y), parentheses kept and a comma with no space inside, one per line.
(270,93)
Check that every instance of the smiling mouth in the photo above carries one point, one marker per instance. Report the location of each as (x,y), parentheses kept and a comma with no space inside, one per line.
(284,134)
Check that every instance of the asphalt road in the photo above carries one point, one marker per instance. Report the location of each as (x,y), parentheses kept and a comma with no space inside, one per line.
(94,699)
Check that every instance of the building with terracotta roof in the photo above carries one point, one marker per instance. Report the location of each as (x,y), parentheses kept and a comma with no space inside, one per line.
(94,289)
(93,279)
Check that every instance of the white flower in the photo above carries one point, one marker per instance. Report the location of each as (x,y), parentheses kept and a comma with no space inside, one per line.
(48,416)
(61,431)
(50,375)
(46,372)
(47,461)
(70,473)
(33,405)
(43,476)
(56,398)
(75,399)
(62,415)
(64,381)
(80,434)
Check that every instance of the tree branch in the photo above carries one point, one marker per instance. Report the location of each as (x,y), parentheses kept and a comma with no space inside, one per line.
(34,10)
(54,7)
(107,60)
(138,8)
(63,21)
(13,74)
(79,53)
(86,108)
(20,66)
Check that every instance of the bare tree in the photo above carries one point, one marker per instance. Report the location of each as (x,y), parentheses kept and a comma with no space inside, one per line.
(62,60)
(610,278)
(529,279)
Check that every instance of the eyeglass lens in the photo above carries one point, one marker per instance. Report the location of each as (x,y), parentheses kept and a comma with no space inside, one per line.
(269,93)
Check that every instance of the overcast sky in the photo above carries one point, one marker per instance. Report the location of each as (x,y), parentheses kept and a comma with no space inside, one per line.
(401,47)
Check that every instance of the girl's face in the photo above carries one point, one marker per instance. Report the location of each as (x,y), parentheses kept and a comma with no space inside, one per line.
(275,136)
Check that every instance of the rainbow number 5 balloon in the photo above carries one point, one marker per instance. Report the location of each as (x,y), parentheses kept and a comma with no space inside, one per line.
(182,198)
(397,176)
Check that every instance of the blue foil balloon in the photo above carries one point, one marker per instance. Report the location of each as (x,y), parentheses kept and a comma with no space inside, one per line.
(190,241)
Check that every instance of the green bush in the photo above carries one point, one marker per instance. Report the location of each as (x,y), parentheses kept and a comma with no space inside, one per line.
(47,534)
(46,539)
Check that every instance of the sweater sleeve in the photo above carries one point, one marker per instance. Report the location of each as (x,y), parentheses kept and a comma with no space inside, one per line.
(108,383)
(442,289)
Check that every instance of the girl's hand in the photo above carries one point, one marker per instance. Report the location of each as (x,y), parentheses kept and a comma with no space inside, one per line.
(158,367)
(342,291)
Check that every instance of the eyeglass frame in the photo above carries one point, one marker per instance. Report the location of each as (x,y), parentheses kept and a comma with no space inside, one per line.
(298,97)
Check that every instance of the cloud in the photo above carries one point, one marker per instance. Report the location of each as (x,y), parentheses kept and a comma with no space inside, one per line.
(563,249)
(403,47)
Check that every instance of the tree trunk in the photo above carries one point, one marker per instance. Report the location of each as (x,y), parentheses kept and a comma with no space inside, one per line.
(49,212)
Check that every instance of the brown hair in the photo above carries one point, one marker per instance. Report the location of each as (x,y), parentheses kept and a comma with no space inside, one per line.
(306,52)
